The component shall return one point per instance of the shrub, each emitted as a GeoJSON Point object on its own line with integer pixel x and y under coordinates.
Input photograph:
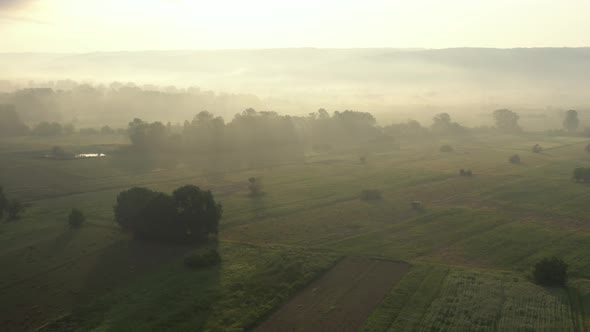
{"type": "Point", "coordinates": [537, 148]}
{"type": "Point", "coordinates": [202, 259]}
{"type": "Point", "coordinates": [465, 172]}
{"type": "Point", "coordinates": [255, 186]}
{"type": "Point", "coordinates": [370, 194]}
{"type": "Point", "coordinates": [550, 272]}
{"type": "Point", "coordinates": [417, 205]}
{"type": "Point", "coordinates": [514, 159]}
{"type": "Point", "coordinates": [446, 148]}
{"type": "Point", "coordinates": [76, 218]}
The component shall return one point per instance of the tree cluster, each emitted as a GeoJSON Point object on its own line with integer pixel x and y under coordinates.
{"type": "Point", "coordinates": [507, 121]}
{"type": "Point", "coordinates": [251, 130]}
{"type": "Point", "coordinates": [189, 215]}
{"type": "Point", "coordinates": [443, 125]}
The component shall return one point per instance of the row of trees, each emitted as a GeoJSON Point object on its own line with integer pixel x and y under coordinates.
{"type": "Point", "coordinates": [252, 130]}
{"type": "Point", "coordinates": [189, 215]}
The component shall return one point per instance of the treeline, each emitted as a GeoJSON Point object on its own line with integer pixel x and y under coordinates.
{"type": "Point", "coordinates": [251, 130]}
{"type": "Point", "coordinates": [67, 101]}
{"type": "Point", "coordinates": [12, 125]}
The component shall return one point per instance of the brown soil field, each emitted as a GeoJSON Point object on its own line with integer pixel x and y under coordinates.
{"type": "Point", "coordinates": [341, 299]}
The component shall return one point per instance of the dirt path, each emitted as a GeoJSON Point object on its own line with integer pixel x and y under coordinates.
{"type": "Point", "coordinates": [340, 300]}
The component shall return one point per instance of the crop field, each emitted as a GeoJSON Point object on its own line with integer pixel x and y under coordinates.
{"type": "Point", "coordinates": [469, 250]}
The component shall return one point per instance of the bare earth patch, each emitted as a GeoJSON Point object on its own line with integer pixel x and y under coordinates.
{"type": "Point", "coordinates": [341, 299]}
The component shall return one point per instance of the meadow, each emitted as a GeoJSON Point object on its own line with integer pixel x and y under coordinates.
{"type": "Point", "coordinates": [470, 249]}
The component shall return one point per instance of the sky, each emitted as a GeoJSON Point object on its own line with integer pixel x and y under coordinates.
{"type": "Point", "coordinates": [134, 25]}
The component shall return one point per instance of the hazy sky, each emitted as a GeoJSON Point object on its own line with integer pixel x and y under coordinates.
{"type": "Point", "coordinates": [112, 25]}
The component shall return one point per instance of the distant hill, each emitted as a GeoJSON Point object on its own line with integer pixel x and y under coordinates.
{"type": "Point", "coordinates": [373, 78]}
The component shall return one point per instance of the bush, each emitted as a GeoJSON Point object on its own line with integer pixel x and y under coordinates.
{"type": "Point", "coordinates": [202, 259]}
{"type": "Point", "coordinates": [537, 148]}
{"type": "Point", "coordinates": [465, 172]}
{"type": "Point", "coordinates": [76, 218]}
{"type": "Point", "coordinates": [370, 194]}
{"type": "Point", "coordinates": [255, 186]}
{"type": "Point", "coordinates": [446, 148]}
{"type": "Point", "coordinates": [514, 159]}
{"type": "Point", "coordinates": [550, 272]}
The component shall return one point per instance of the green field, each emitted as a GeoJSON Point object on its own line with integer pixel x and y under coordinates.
{"type": "Point", "coordinates": [472, 247]}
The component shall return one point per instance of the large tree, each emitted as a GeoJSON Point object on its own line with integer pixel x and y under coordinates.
{"type": "Point", "coordinates": [507, 121]}
{"type": "Point", "coordinates": [197, 211]}
{"type": "Point", "coordinates": [571, 121]}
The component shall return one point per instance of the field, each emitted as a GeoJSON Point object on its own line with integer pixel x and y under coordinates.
{"type": "Point", "coordinates": [470, 250]}
{"type": "Point", "coordinates": [340, 300]}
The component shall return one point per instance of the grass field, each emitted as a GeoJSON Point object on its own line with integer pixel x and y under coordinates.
{"type": "Point", "coordinates": [471, 249]}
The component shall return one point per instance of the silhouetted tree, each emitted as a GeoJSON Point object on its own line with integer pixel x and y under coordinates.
{"type": "Point", "coordinates": [129, 205]}
{"type": "Point", "coordinates": [76, 218]}
{"type": "Point", "coordinates": [197, 211]}
{"type": "Point", "coordinates": [507, 121]}
{"type": "Point", "coordinates": [550, 272]}
{"type": "Point", "coordinates": [571, 120]}
{"type": "Point", "coordinates": [146, 136]}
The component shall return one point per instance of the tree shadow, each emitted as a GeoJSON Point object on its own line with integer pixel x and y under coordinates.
{"type": "Point", "coordinates": [128, 279]}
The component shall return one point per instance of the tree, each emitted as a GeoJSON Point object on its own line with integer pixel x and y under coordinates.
{"type": "Point", "coordinates": [76, 218]}
{"type": "Point", "coordinates": [550, 272]}
{"type": "Point", "coordinates": [3, 202]}
{"type": "Point", "coordinates": [255, 186]}
{"type": "Point", "coordinates": [507, 121]}
{"type": "Point", "coordinates": [571, 120]}
{"type": "Point", "coordinates": [537, 148]}
{"type": "Point", "coordinates": [129, 205]}
{"type": "Point", "coordinates": [197, 211]}
{"type": "Point", "coordinates": [14, 209]}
